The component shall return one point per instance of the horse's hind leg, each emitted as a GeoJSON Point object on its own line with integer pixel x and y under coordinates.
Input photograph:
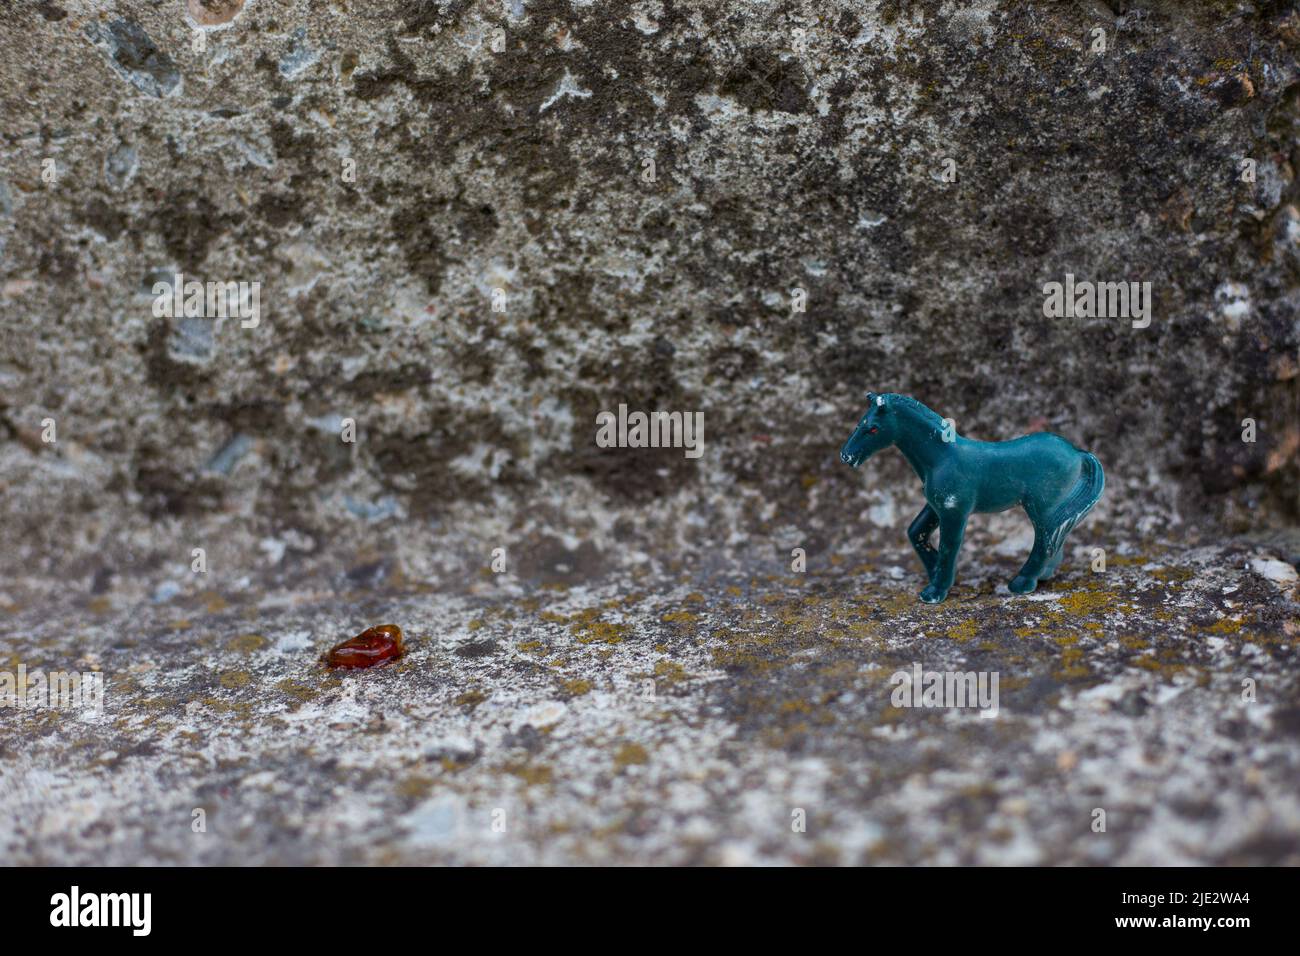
{"type": "Point", "coordinates": [1054, 562]}
{"type": "Point", "coordinates": [1034, 568]}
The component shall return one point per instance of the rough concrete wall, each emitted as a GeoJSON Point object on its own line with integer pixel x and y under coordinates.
{"type": "Point", "coordinates": [506, 146]}
{"type": "Point", "coordinates": [383, 170]}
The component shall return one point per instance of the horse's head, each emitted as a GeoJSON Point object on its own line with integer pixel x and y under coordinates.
{"type": "Point", "coordinates": [876, 430]}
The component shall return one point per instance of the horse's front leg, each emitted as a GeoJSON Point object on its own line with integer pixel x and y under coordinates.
{"type": "Point", "coordinates": [919, 534]}
{"type": "Point", "coordinates": [952, 528]}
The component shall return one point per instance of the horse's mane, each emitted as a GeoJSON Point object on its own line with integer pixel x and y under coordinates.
{"type": "Point", "coordinates": [907, 401]}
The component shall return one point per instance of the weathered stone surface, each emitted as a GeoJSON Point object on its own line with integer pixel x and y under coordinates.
{"type": "Point", "coordinates": [664, 719]}
{"type": "Point", "coordinates": [384, 169]}
{"type": "Point", "coordinates": [507, 147]}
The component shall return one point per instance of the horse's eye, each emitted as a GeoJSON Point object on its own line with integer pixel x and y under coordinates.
{"type": "Point", "coordinates": [872, 430]}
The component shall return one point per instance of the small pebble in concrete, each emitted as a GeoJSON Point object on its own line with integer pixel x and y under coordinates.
{"type": "Point", "coordinates": [135, 57]}
{"type": "Point", "coordinates": [214, 13]}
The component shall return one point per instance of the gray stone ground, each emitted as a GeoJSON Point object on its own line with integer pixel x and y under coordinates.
{"type": "Point", "coordinates": [661, 717]}
{"type": "Point", "coordinates": [382, 168]}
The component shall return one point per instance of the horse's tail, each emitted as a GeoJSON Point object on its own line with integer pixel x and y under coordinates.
{"type": "Point", "coordinates": [1087, 492]}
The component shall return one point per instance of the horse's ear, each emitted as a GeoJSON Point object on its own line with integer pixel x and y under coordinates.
{"type": "Point", "coordinates": [871, 398]}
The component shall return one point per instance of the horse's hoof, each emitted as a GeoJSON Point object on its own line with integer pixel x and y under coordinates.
{"type": "Point", "coordinates": [932, 595]}
{"type": "Point", "coordinates": [1022, 585]}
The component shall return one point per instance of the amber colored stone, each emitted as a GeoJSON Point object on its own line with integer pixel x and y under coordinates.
{"type": "Point", "coordinates": [375, 645]}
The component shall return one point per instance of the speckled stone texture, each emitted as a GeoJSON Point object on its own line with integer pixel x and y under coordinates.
{"type": "Point", "coordinates": [476, 225]}
{"type": "Point", "coordinates": [680, 719]}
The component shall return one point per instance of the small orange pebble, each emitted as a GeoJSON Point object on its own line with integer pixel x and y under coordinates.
{"type": "Point", "coordinates": [374, 645]}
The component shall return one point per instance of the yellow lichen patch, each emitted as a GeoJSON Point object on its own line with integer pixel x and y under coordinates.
{"type": "Point", "coordinates": [532, 774]}
{"type": "Point", "coordinates": [863, 630]}
{"type": "Point", "coordinates": [470, 698]}
{"type": "Point", "coordinates": [964, 631]}
{"type": "Point", "coordinates": [680, 617]}
{"type": "Point", "coordinates": [801, 615]}
{"type": "Point", "coordinates": [896, 602]}
{"type": "Point", "coordinates": [1072, 664]}
{"type": "Point", "coordinates": [1226, 625]}
{"type": "Point", "coordinates": [296, 690]}
{"type": "Point", "coordinates": [415, 787]}
{"type": "Point", "coordinates": [630, 755]}
{"type": "Point", "coordinates": [589, 629]}
{"type": "Point", "coordinates": [248, 643]}
{"type": "Point", "coordinates": [551, 617]}
{"type": "Point", "coordinates": [120, 683]}
{"type": "Point", "coordinates": [738, 657]}
{"type": "Point", "coordinates": [1173, 575]}
{"type": "Point", "coordinates": [670, 672]}
{"type": "Point", "coordinates": [1082, 603]}
{"type": "Point", "coordinates": [531, 647]}
{"type": "Point", "coordinates": [577, 687]}
{"type": "Point", "coordinates": [1126, 560]}
{"type": "Point", "coordinates": [232, 680]}
{"type": "Point", "coordinates": [476, 624]}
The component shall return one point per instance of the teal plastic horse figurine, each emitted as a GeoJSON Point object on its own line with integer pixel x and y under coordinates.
{"type": "Point", "coordinates": [1056, 484]}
